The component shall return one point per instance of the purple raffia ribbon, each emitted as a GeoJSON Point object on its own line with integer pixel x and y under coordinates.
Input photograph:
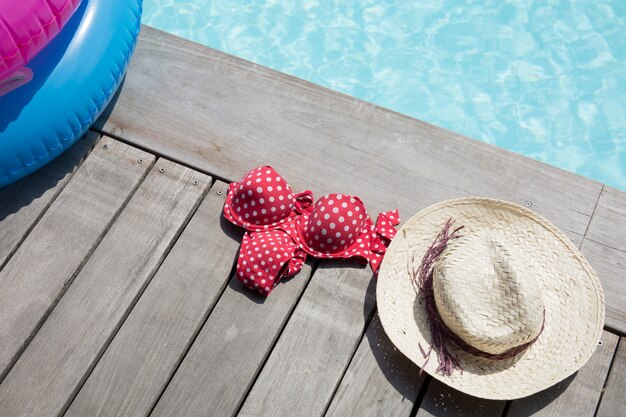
{"type": "Point", "coordinates": [440, 332]}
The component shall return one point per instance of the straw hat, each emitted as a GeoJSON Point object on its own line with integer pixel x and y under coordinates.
{"type": "Point", "coordinates": [519, 307]}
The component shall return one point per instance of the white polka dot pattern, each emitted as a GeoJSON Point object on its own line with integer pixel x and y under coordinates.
{"type": "Point", "coordinates": [282, 228]}
{"type": "Point", "coordinates": [267, 257]}
{"type": "Point", "coordinates": [263, 200]}
{"type": "Point", "coordinates": [330, 219]}
{"type": "Point", "coordinates": [340, 228]}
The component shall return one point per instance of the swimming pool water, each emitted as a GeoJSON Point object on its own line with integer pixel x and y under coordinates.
{"type": "Point", "coordinates": [546, 79]}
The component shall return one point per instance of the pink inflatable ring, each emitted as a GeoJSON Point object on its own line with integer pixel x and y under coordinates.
{"type": "Point", "coordinates": [26, 26]}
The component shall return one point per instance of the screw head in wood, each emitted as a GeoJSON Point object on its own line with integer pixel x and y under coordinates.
{"type": "Point", "coordinates": [140, 161]}
{"type": "Point", "coordinates": [600, 343]}
{"type": "Point", "coordinates": [528, 204]}
{"type": "Point", "coordinates": [195, 182]}
{"type": "Point", "coordinates": [220, 192]}
{"type": "Point", "coordinates": [105, 146]}
{"type": "Point", "coordinates": [161, 170]}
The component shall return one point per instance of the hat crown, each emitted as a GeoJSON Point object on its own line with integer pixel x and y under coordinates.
{"type": "Point", "coordinates": [485, 295]}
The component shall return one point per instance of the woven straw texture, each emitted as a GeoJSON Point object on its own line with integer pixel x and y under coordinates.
{"type": "Point", "coordinates": [568, 288]}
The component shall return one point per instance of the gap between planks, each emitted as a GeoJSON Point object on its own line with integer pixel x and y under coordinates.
{"type": "Point", "coordinates": [104, 292]}
{"type": "Point", "coordinates": [80, 216]}
{"type": "Point", "coordinates": [23, 203]}
{"type": "Point", "coordinates": [156, 336]}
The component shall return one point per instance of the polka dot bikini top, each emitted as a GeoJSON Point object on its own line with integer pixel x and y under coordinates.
{"type": "Point", "coordinates": [337, 226]}
{"type": "Point", "coordinates": [263, 200]}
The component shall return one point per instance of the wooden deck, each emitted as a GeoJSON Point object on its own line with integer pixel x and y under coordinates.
{"type": "Point", "coordinates": [117, 295]}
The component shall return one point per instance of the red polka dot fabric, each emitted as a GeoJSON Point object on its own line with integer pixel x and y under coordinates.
{"type": "Point", "coordinates": [267, 257]}
{"type": "Point", "coordinates": [340, 228]}
{"type": "Point", "coordinates": [283, 228]}
{"type": "Point", "coordinates": [263, 200]}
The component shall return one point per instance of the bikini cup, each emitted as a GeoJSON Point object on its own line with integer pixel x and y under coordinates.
{"type": "Point", "coordinates": [339, 228]}
{"type": "Point", "coordinates": [263, 200]}
{"type": "Point", "coordinates": [335, 224]}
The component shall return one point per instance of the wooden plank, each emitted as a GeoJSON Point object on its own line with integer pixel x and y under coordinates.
{"type": "Point", "coordinates": [612, 403]}
{"type": "Point", "coordinates": [576, 396]}
{"type": "Point", "coordinates": [605, 248]}
{"type": "Point", "coordinates": [610, 265]}
{"type": "Point", "coordinates": [443, 401]}
{"type": "Point", "coordinates": [576, 239]}
{"type": "Point", "coordinates": [233, 115]}
{"type": "Point", "coordinates": [22, 203]}
{"type": "Point", "coordinates": [146, 351]}
{"type": "Point", "coordinates": [70, 342]}
{"type": "Point", "coordinates": [41, 269]}
{"type": "Point", "coordinates": [380, 380]}
{"type": "Point", "coordinates": [312, 354]}
{"type": "Point", "coordinates": [218, 370]}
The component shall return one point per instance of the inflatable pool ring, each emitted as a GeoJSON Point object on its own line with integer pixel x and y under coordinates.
{"type": "Point", "coordinates": [71, 81]}
{"type": "Point", "coordinates": [24, 30]}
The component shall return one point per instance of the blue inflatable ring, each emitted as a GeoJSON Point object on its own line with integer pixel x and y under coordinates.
{"type": "Point", "coordinates": [74, 78]}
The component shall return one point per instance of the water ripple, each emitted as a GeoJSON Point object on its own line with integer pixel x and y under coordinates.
{"type": "Point", "coordinates": [545, 79]}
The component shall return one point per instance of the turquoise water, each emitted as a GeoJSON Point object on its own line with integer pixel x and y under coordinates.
{"type": "Point", "coordinates": [546, 79]}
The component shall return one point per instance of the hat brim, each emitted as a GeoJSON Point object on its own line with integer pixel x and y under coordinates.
{"type": "Point", "coordinates": [573, 299]}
